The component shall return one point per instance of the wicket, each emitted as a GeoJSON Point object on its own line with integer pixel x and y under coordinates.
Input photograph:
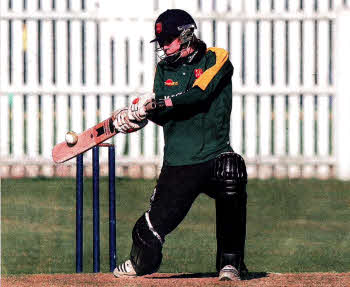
{"type": "Point", "coordinates": [96, 209]}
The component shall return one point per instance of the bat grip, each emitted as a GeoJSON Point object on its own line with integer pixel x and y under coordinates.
{"type": "Point", "coordinates": [152, 105]}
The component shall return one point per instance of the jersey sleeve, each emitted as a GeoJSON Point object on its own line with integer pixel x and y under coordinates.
{"type": "Point", "coordinates": [159, 117]}
{"type": "Point", "coordinates": [157, 84]}
{"type": "Point", "coordinates": [203, 88]}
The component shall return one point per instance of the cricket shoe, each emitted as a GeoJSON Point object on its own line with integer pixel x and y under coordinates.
{"type": "Point", "coordinates": [125, 270]}
{"type": "Point", "coordinates": [229, 273]}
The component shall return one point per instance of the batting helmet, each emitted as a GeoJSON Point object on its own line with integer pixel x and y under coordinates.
{"type": "Point", "coordinates": [171, 23]}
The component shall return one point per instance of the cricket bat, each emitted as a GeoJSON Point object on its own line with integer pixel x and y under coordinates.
{"type": "Point", "coordinates": [89, 138]}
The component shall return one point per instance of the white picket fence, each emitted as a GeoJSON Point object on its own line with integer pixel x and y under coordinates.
{"type": "Point", "coordinates": [66, 65]}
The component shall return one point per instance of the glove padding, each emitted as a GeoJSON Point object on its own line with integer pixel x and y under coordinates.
{"type": "Point", "coordinates": [123, 123]}
{"type": "Point", "coordinates": [137, 111]}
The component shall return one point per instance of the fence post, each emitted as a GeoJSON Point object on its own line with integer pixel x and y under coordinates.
{"type": "Point", "coordinates": [342, 99]}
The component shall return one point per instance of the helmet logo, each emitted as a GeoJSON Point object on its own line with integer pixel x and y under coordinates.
{"type": "Point", "coordinates": [198, 73]}
{"type": "Point", "coordinates": [159, 28]}
{"type": "Point", "coordinates": [170, 82]}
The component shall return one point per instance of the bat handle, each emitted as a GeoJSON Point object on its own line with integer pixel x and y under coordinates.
{"type": "Point", "coordinates": [152, 105]}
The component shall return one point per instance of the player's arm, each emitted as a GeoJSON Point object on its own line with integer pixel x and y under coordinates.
{"type": "Point", "coordinates": [136, 111]}
{"type": "Point", "coordinates": [202, 90]}
{"type": "Point", "coordinates": [204, 87]}
{"type": "Point", "coordinates": [159, 116]}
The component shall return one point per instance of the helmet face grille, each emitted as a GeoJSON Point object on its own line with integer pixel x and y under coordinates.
{"type": "Point", "coordinates": [187, 26]}
{"type": "Point", "coordinates": [187, 35]}
{"type": "Point", "coordinates": [186, 39]}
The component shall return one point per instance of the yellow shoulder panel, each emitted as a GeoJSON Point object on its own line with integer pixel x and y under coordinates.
{"type": "Point", "coordinates": [221, 57]}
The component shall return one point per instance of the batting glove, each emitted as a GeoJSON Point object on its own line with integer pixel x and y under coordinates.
{"type": "Point", "coordinates": [123, 123]}
{"type": "Point", "coordinates": [137, 111]}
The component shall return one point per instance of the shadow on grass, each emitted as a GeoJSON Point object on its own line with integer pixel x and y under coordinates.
{"type": "Point", "coordinates": [249, 276]}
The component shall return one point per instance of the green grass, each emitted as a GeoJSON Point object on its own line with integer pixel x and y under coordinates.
{"type": "Point", "coordinates": [293, 226]}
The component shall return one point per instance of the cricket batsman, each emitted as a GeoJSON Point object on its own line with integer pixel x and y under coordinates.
{"type": "Point", "coordinates": [193, 85]}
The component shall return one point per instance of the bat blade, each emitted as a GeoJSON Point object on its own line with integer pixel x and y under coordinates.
{"type": "Point", "coordinates": [86, 140]}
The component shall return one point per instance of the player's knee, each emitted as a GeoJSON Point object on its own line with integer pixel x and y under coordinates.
{"type": "Point", "coordinates": [146, 251]}
{"type": "Point", "coordinates": [230, 174]}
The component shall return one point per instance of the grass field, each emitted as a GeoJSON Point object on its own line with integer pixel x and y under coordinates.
{"type": "Point", "coordinates": [293, 226]}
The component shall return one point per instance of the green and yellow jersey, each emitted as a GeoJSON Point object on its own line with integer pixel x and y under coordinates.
{"type": "Point", "coordinates": [196, 128]}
